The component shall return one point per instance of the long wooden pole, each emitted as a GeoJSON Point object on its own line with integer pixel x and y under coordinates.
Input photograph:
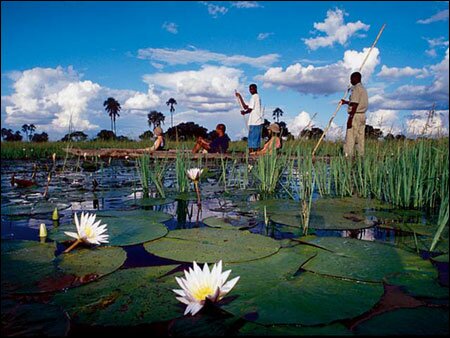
{"type": "Point", "coordinates": [346, 93]}
{"type": "Point", "coordinates": [242, 108]}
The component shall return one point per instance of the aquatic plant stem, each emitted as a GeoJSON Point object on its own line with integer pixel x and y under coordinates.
{"type": "Point", "coordinates": [70, 248]}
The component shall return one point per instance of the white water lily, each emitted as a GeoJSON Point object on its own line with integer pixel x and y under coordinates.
{"type": "Point", "coordinates": [194, 173]}
{"type": "Point", "coordinates": [88, 231]}
{"type": "Point", "coordinates": [200, 285]}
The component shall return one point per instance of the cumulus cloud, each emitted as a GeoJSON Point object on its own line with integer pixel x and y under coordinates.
{"type": "Point", "coordinates": [418, 97]}
{"type": "Point", "coordinates": [392, 73]}
{"type": "Point", "coordinates": [142, 101]}
{"type": "Point", "coordinates": [439, 16]}
{"type": "Point", "coordinates": [422, 123]}
{"type": "Point", "coordinates": [335, 30]}
{"type": "Point", "coordinates": [263, 36]}
{"type": "Point", "coordinates": [326, 79]}
{"type": "Point", "coordinates": [299, 123]}
{"type": "Point", "coordinates": [171, 27]}
{"type": "Point", "coordinates": [187, 56]}
{"type": "Point", "coordinates": [246, 4]}
{"type": "Point", "coordinates": [386, 120]}
{"type": "Point", "coordinates": [210, 89]}
{"type": "Point", "coordinates": [214, 10]}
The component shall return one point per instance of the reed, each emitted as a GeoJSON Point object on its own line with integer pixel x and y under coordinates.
{"type": "Point", "coordinates": [268, 170]}
{"type": "Point", "coordinates": [143, 169]}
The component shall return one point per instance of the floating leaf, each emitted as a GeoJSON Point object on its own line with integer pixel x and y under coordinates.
{"type": "Point", "coordinates": [440, 258]}
{"type": "Point", "coordinates": [129, 228]}
{"type": "Point", "coordinates": [149, 202]}
{"type": "Point", "coordinates": [124, 298]}
{"type": "Point", "coordinates": [252, 329]}
{"type": "Point", "coordinates": [31, 266]}
{"type": "Point", "coordinates": [207, 245]}
{"type": "Point", "coordinates": [221, 223]}
{"type": "Point", "coordinates": [275, 293]}
{"type": "Point", "coordinates": [405, 322]}
{"type": "Point", "coordinates": [34, 319]}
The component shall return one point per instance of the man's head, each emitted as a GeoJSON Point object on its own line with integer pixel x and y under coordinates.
{"type": "Point", "coordinates": [220, 129]}
{"type": "Point", "coordinates": [355, 78]}
{"type": "Point", "coordinates": [253, 89]}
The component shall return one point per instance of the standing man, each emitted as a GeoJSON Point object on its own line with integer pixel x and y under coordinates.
{"type": "Point", "coordinates": [256, 118]}
{"type": "Point", "coordinates": [356, 123]}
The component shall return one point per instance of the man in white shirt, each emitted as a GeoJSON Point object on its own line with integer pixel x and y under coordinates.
{"type": "Point", "coordinates": [356, 123]}
{"type": "Point", "coordinates": [256, 118]}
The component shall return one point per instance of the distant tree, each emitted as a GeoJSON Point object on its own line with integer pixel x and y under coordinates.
{"type": "Point", "coordinates": [106, 135]}
{"type": "Point", "coordinates": [112, 106]}
{"type": "Point", "coordinates": [76, 136]}
{"type": "Point", "coordinates": [25, 129]}
{"type": "Point", "coordinates": [372, 133]}
{"type": "Point", "coordinates": [171, 102]}
{"type": "Point", "coordinates": [389, 137]}
{"type": "Point", "coordinates": [123, 138]}
{"type": "Point", "coordinates": [187, 130]}
{"type": "Point", "coordinates": [9, 136]}
{"type": "Point", "coordinates": [277, 113]}
{"type": "Point", "coordinates": [400, 137]}
{"type": "Point", "coordinates": [284, 129]}
{"type": "Point", "coordinates": [6, 133]}
{"type": "Point", "coordinates": [43, 137]}
{"type": "Point", "coordinates": [245, 139]}
{"type": "Point", "coordinates": [311, 134]}
{"type": "Point", "coordinates": [146, 135]}
{"type": "Point", "coordinates": [31, 129]}
{"type": "Point", "coordinates": [265, 131]}
{"type": "Point", "coordinates": [155, 118]}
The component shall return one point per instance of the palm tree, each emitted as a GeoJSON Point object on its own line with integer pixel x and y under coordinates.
{"type": "Point", "coordinates": [277, 113]}
{"type": "Point", "coordinates": [155, 118]}
{"type": "Point", "coordinates": [112, 107]}
{"type": "Point", "coordinates": [171, 102]}
{"type": "Point", "coordinates": [25, 129]}
{"type": "Point", "coordinates": [31, 128]}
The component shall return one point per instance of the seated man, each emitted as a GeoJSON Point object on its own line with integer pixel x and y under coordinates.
{"type": "Point", "coordinates": [218, 145]}
{"type": "Point", "coordinates": [274, 141]}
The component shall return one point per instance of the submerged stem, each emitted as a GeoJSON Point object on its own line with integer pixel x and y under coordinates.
{"type": "Point", "coordinates": [70, 248]}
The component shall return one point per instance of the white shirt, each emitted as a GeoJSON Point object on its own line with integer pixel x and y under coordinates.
{"type": "Point", "coordinates": [359, 96]}
{"type": "Point", "coordinates": [256, 116]}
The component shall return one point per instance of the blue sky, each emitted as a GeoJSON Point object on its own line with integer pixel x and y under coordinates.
{"type": "Point", "coordinates": [61, 60]}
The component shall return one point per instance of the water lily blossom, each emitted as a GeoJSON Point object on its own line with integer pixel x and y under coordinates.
{"type": "Point", "coordinates": [88, 231]}
{"type": "Point", "coordinates": [199, 285]}
{"type": "Point", "coordinates": [194, 174]}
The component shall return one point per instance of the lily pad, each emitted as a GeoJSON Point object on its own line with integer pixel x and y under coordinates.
{"type": "Point", "coordinates": [405, 322]}
{"type": "Point", "coordinates": [418, 229]}
{"type": "Point", "coordinates": [221, 223]}
{"type": "Point", "coordinates": [418, 284]}
{"type": "Point", "coordinates": [34, 319]}
{"type": "Point", "coordinates": [31, 267]}
{"type": "Point", "coordinates": [211, 245]}
{"type": "Point", "coordinates": [133, 227]}
{"type": "Point", "coordinates": [363, 260]}
{"type": "Point", "coordinates": [125, 298]}
{"type": "Point", "coordinates": [440, 258]}
{"type": "Point", "coordinates": [252, 329]}
{"type": "Point", "coordinates": [32, 209]}
{"type": "Point", "coordinates": [149, 202]}
{"type": "Point", "coordinates": [150, 215]}
{"type": "Point", "coordinates": [275, 291]}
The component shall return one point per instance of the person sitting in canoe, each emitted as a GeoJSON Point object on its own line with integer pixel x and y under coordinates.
{"type": "Point", "coordinates": [159, 142]}
{"type": "Point", "coordinates": [274, 141]}
{"type": "Point", "coordinates": [218, 145]}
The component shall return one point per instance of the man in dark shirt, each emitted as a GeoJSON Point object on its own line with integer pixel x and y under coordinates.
{"type": "Point", "coordinates": [218, 145]}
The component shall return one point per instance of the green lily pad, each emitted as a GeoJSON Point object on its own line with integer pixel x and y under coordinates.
{"type": "Point", "coordinates": [418, 229]}
{"type": "Point", "coordinates": [272, 288]}
{"type": "Point", "coordinates": [440, 258]}
{"type": "Point", "coordinates": [363, 260]}
{"type": "Point", "coordinates": [31, 267]}
{"type": "Point", "coordinates": [221, 223]}
{"type": "Point", "coordinates": [418, 284]}
{"type": "Point", "coordinates": [125, 298]}
{"type": "Point", "coordinates": [129, 229]}
{"type": "Point", "coordinates": [19, 320]}
{"type": "Point", "coordinates": [32, 209]}
{"type": "Point", "coordinates": [252, 329]}
{"type": "Point", "coordinates": [211, 245]}
{"type": "Point", "coordinates": [405, 322]}
{"type": "Point", "coordinates": [207, 322]}
{"type": "Point", "coordinates": [150, 215]}
{"type": "Point", "coordinates": [423, 243]}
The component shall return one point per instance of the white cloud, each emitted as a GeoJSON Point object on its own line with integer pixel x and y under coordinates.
{"type": "Point", "coordinates": [392, 73]}
{"type": "Point", "coordinates": [186, 56]}
{"type": "Point", "coordinates": [302, 120]}
{"type": "Point", "coordinates": [326, 79]}
{"type": "Point", "coordinates": [420, 123]}
{"type": "Point", "coordinates": [214, 10]}
{"type": "Point", "coordinates": [263, 36]}
{"type": "Point", "coordinates": [418, 97]}
{"type": "Point", "coordinates": [435, 43]}
{"type": "Point", "coordinates": [171, 27]}
{"type": "Point", "coordinates": [386, 120]}
{"type": "Point", "coordinates": [246, 4]}
{"type": "Point", "coordinates": [143, 101]}
{"type": "Point", "coordinates": [439, 16]}
{"type": "Point", "coordinates": [335, 30]}
{"type": "Point", "coordinates": [210, 89]}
